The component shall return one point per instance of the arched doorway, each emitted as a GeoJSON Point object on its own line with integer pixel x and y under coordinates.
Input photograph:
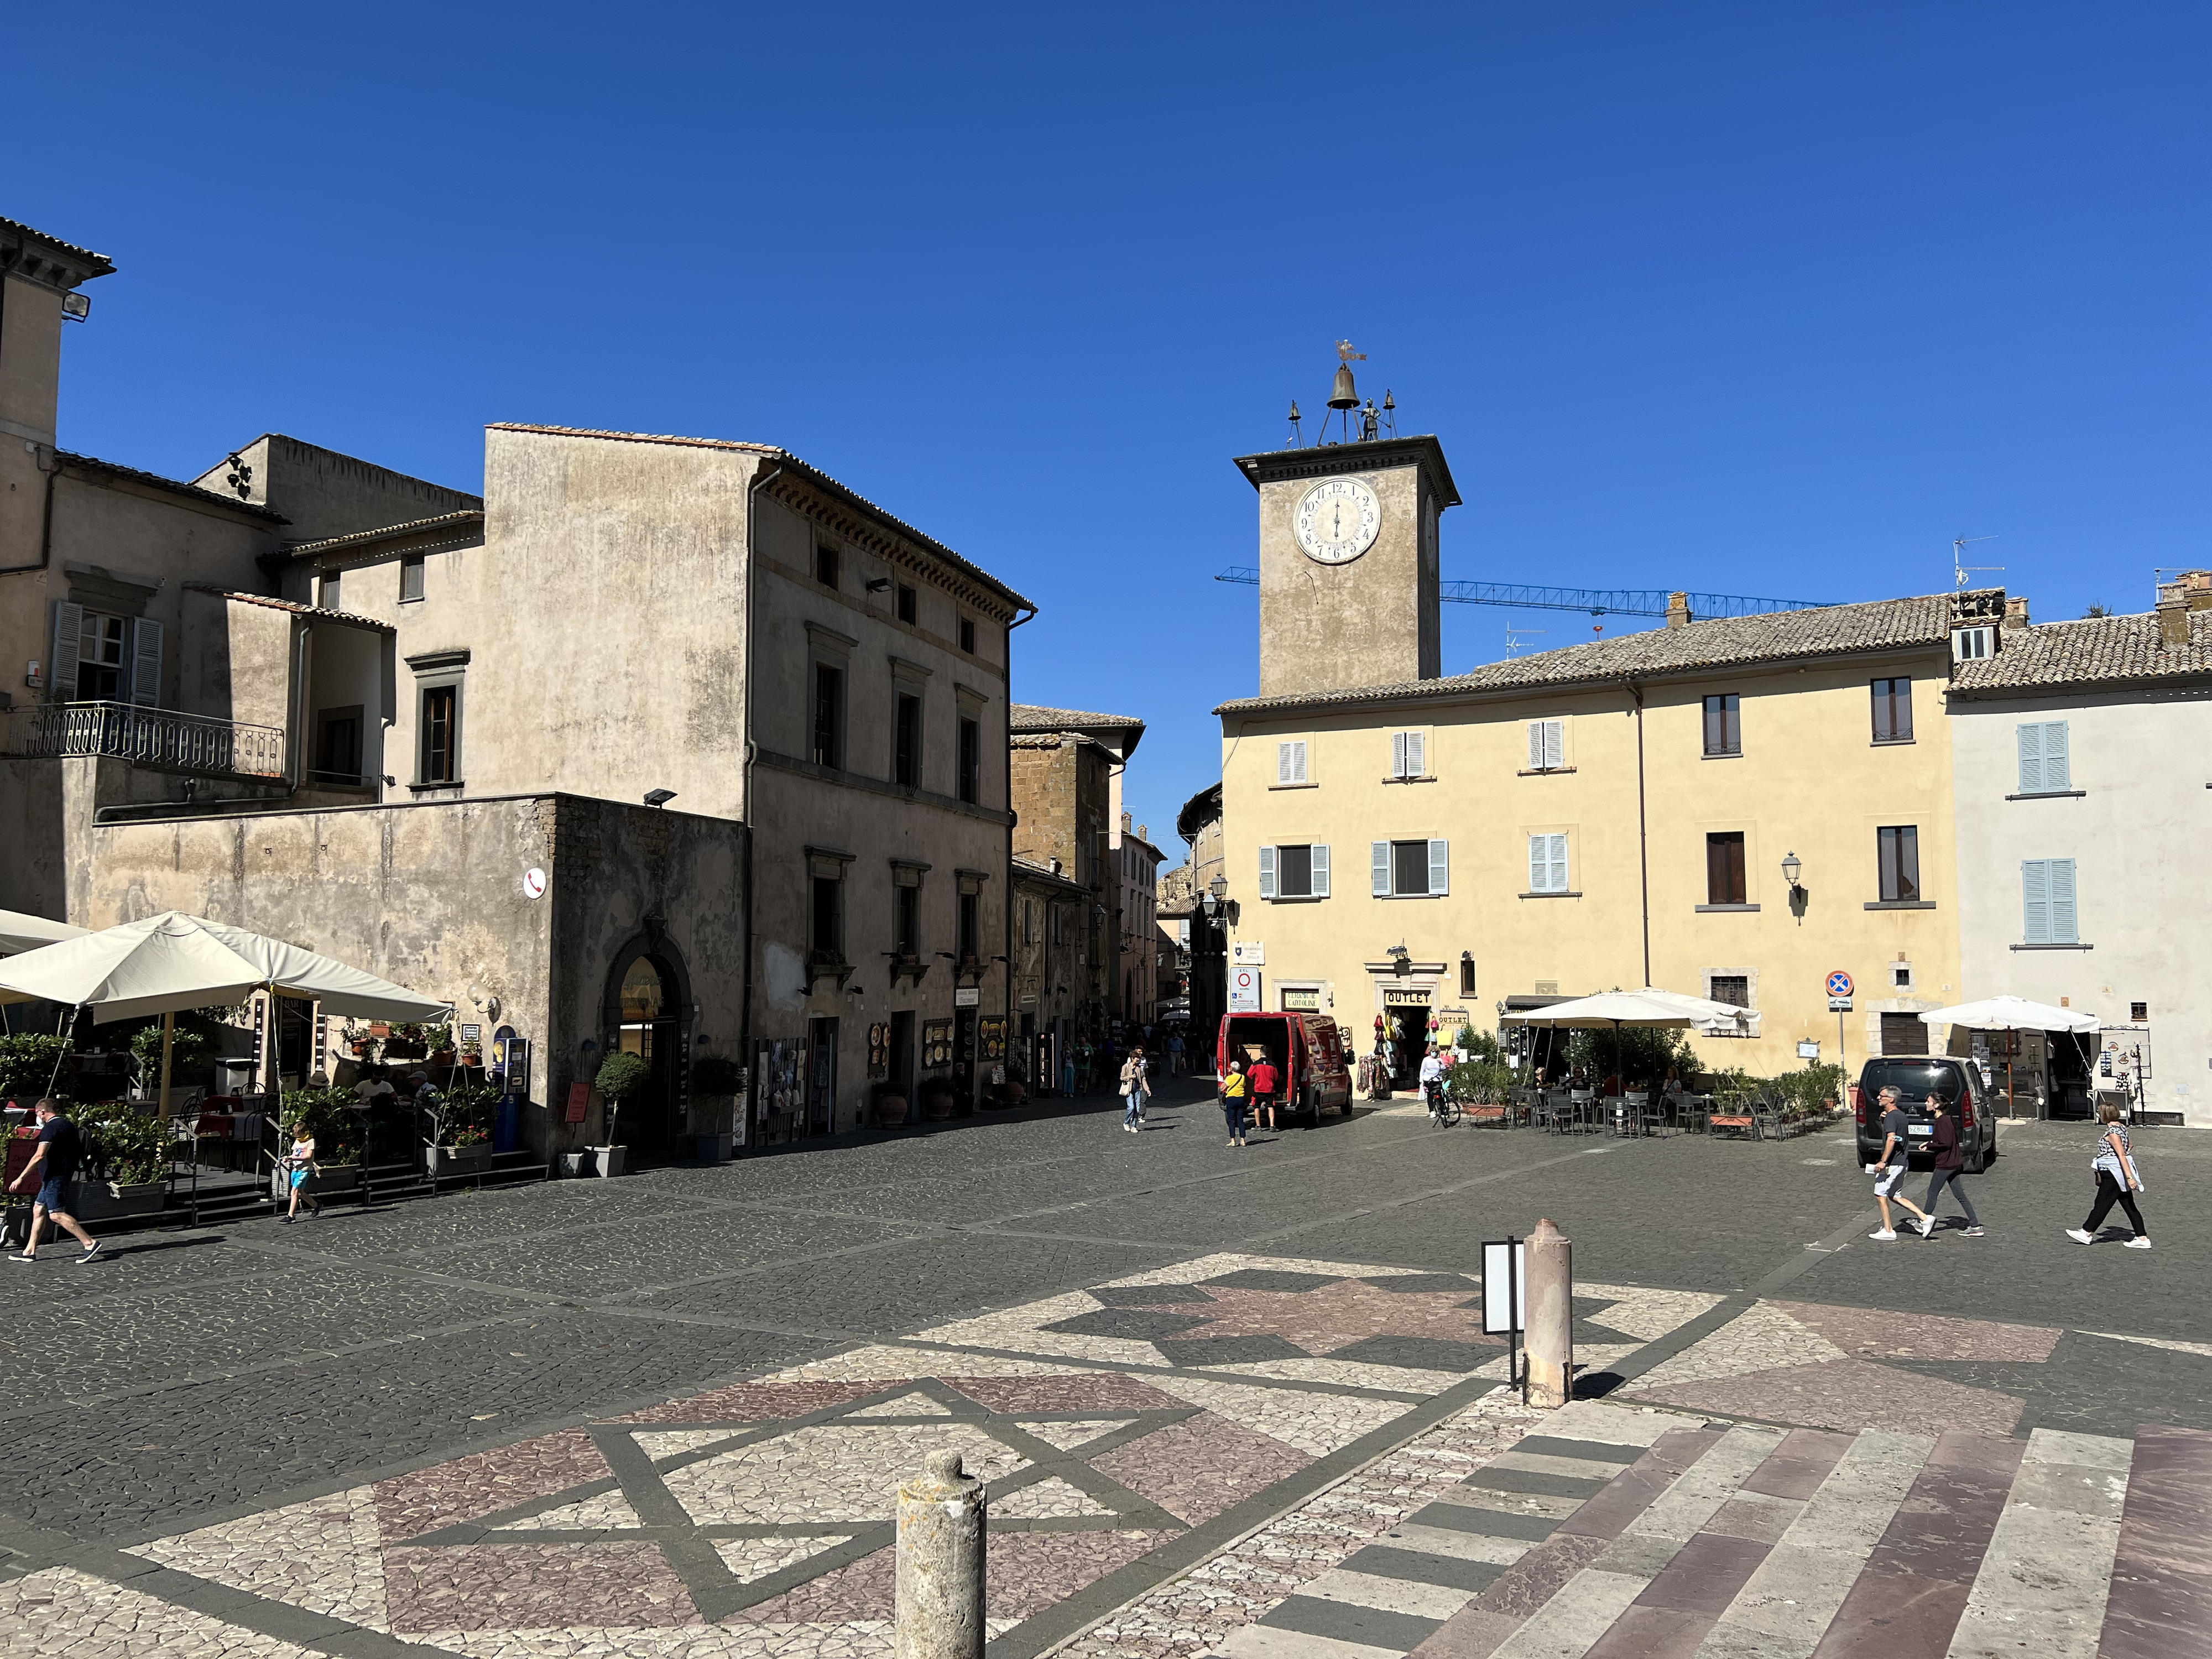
{"type": "Point", "coordinates": [647, 1002]}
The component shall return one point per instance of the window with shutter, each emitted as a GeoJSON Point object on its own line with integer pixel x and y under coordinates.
{"type": "Point", "coordinates": [1320, 869]}
{"type": "Point", "coordinates": [1294, 873]}
{"type": "Point", "coordinates": [1439, 867]}
{"type": "Point", "coordinates": [69, 634]}
{"type": "Point", "coordinates": [1266, 872]}
{"type": "Point", "coordinates": [1382, 849]}
{"type": "Point", "coordinates": [1416, 754]}
{"type": "Point", "coordinates": [1291, 762]}
{"type": "Point", "coordinates": [1409, 868]}
{"type": "Point", "coordinates": [1547, 745]}
{"type": "Point", "coordinates": [146, 663]}
{"type": "Point", "coordinates": [2035, 901]}
{"type": "Point", "coordinates": [2065, 927]}
{"type": "Point", "coordinates": [2030, 734]}
{"type": "Point", "coordinates": [2057, 762]}
{"type": "Point", "coordinates": [1547, 864]}
{"type": "Point", "coordinates": [1397, 753]}
{"type": "Point", "coordinates": [2045, 766]}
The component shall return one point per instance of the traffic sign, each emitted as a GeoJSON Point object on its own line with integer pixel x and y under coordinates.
{"type": "Point", "coordinates": [1839, 984]}
{"type": "Point", "coordinates": [1839, 1004]}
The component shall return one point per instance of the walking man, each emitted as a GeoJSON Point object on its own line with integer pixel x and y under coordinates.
{"type": "Point", "coordinates": [1264, 1078]}
{"type": "Point", "coordinates": [61, 1149]}
{"type": "Point", "coordinates": [1134, 1074]}
{"type": "Point", "coordinates": [1889, 1172]}
{"type": "Point", "coordinates": [1950, 1165]}
{"type": "Point", "coordinates": [1175, 1054]}
{"type": "Point", "coordinates": [2119, 1180]}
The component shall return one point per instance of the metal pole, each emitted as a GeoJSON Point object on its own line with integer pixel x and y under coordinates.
{"type": "Point", "coordinates": [1513, 1371]}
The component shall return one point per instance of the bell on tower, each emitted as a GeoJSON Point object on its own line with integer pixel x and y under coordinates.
{"type": "Point", "coordinates": [1343, 396]}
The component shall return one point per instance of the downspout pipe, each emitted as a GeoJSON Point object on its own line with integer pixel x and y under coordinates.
{"type": "Point", "coordinates": [53, 470]}
{"type": "Point", "coordinates": [745, 1057]}
{"type": "Point", "coordinates": [1642, 830]}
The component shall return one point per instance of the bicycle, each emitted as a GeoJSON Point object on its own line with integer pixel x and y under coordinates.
{"type": "Point", "coordinates": [1443, 1110]}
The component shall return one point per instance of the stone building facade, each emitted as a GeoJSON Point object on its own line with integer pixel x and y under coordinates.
{"type": "Point", "coordinates": [1051, 924]}
{"type": "Point", "coordinates": [1061, 798]}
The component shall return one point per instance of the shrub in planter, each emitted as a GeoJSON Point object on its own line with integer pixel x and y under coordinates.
{"type": "Point", "coordinates": [937, 1099]}
{"type": "Point", "coordinates": [620, 1078]}
{"type": "Point", "coordinates": [328, 1115]}
{"type": "Point", "coordinates": [129, 1150]}
{"type": "Point", "coordinates": [27, 1065]}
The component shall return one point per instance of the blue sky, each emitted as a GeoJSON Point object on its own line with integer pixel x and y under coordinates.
{"type": "Point", "coordinates": [1756, 299]}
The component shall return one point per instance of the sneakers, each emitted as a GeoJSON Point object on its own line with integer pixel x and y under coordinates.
{"type": "Point", "coordinates": [2138, 1242]}
{"type": "Point", "coordinates": [1971, 1232]}
{"type": "Point", "coordinates": [2080, 1237]}
{"type": "Point", "coordinates": [1886, 1235]}
{"type": "Point", "coordinates": [1927, 1225]}
{"type": "Point", "coordinates": [21, 1256]}
{"type": "Point", "coordinates": [90, 1251]}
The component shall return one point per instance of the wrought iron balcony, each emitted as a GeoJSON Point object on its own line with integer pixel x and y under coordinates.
{"type": "Point", "coordinates": [151, 736]}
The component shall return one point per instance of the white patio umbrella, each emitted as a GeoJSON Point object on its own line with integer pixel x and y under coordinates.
{"type": "Point", "coordinates": [1649, 1007]}
{"type": "Point", "coordinates": [20, 933]}
{"type": "Point", "coordinates": [2011, 1013]}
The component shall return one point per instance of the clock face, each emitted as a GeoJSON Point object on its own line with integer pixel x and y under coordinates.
{"type": "Point", "coordinates": [1336, 520]}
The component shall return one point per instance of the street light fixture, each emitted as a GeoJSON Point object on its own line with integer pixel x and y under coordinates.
{"type": "Point", "coordinates": [1790, 868]}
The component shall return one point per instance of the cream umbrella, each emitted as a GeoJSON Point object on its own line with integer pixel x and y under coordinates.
{"type": "Point", "coordinates": [1649, 1008]}
{"type": "Point", "coordinates": [2011, 1013]}
{"type": "Point", "coordinates": [20, 933]}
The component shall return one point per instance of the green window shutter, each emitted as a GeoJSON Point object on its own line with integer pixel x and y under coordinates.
{"type": "Point", "coordinates": [2035, 897]}
{"type": "Point", "coordinates": [1321, 870]}
{"type": "Point", "coordinates": [1382, 869]}
{"type": "Point", "coordinates": [1440, 866]}
{"type": "Point", "coordinates": [2065, 927]}
{"type": "Point", "coordinates": [1266, 872]}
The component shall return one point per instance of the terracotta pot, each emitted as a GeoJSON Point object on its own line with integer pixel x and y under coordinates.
{"type": "Point", "coordinates": [937, 1106]}
{"type": "Point", "coordinates": [442, 1057]}
{"type": "Point", "coordinates": [378, 1028]}
{"type": "Point", "coordinates": [472, 1059]}
{"type": "Point", "coordinates": [890, 1111]}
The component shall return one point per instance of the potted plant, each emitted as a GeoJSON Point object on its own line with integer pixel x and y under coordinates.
{"type": "Point", "coordinates": [716, 1081]}
{"type": "Point", "coordinates": [460, 1128]}
{"type": "Point", "coordinates": [937, 1098]}
{"type": "Point", "coordinates": [472, 1054]}
{"type": "Point", "coordinates": [406, 1043]}
{"type": "Point", "coordinates": [890, 1105]}
{"type": "Point", "coordinates": [621, 1077]}
{"type": "Point", "coordinates": [128, 1158]}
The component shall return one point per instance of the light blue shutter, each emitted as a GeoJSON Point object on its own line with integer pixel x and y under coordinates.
{"type": "Point", "coordinates": [146, 663]}
{"type": "Point", "coordinates": [1398, 755]}
{"type": "Point", "coordinates": [1440, 866]}
{"type": "Point", "coordinates": [2058, 764]}
{"type": "Point", "coordinates": [1321, 870]}
{"type": "Point", "coordinates": [1266, 872]}
{"type": "Point", "coordinates": [2035, 896]}
{"type": "Point", "coordinates": [69, 640]}
{"type": "Point", "coordinates": [2065, 928]}
{"type": "Point", "coordinates": [2031, 757]}
{"type": "Point", "coordinates": [1382, 869]}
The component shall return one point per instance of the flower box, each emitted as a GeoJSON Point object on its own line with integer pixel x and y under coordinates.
{"type": "Point", "coordinates": [461, 1160]}
{"type": "Point", "coordinates": [108, 1201]}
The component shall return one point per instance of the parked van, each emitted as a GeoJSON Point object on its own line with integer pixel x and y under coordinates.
{"type": "Point", "coordinates": [1956, 1082]}
{"type": "Point", "coordinates": [1308, 1051]}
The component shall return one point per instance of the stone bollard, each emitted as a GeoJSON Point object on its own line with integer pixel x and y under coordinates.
{"type": "Point", "coordinates": [1550, 1317]}
{"type": "Point", "coordinates": [940, 1563]}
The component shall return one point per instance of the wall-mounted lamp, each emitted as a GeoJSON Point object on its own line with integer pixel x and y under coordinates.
{"type": "Point", "coordinates": [880, 585]}
{"type": "Point", "coordinates": [658, 797]}
{"type": "Point", "coordinates": [1791, 866]}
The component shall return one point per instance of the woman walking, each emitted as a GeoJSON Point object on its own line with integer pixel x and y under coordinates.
{"type": "Point", "coordinates": [2119, 1180]}
{"type": "Point", "coordinates": [1233, 1095]}
{"type": "Point", "coordinates": [1950, 1165]}
{"type": "Point", "coordinates": [1135, 1074]}
{"type": "Point", "coordinates": [299, 1164]}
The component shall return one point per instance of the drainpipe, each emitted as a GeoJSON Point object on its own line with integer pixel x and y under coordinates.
{"type": "Point", "coordinates": [1643, 833]}
{"type": "Point", "coordinates": [45, 527]}
{"type": "Point", "coordinates": [745, 1057]}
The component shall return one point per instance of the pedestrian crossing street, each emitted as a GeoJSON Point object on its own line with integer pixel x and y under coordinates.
{"type": "Point", "coordinates": [1628, 1534]}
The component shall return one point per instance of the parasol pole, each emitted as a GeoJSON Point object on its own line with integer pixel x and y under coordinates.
{"type": "Point", "coordinates": [168, 1037]}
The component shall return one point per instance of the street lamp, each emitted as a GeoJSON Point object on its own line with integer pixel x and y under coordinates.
{"type": "Point", "coordinates": [1216, 891]}
{"type": "Point", "coordinates": [1790, 868]}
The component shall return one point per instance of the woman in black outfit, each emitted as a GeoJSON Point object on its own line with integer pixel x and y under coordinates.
{"type": "Point", "coordinates": [1950, 1165]}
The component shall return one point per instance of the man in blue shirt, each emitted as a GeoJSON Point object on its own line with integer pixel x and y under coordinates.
{"type": "Point", "coordinates": [61, 1148]}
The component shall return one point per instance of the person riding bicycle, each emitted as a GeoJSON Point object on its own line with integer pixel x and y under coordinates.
{"type": "Point", "coordinates": [1432, 1080]}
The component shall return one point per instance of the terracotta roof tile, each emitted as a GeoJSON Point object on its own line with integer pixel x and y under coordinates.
{"type": "Point", "coordinates": [1034, 717]}
{"type": "Point", "coordinates": [1829, 630]}
{"type": "Point", "coordinates": [467, 516]}
{"type": "Point", "coordinates": [2094, 651]}
{"type": "Point", "coordinates": [94, 463]}
{"type": "Point", "coordinates": [352, 619]}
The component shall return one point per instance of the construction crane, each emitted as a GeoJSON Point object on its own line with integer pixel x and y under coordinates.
{"type": "Point", "coordinates": [1597, 602]}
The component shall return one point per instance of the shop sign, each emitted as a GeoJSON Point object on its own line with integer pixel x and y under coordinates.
{"type": "Point", "coordinates": [1301, 1001]}
{"type": "Point", "coordinates": [1397, 996]}
{"type": "Point", "coordinates": [1250, 952]}
{"type": "Point", "coordinates": [967, 996]}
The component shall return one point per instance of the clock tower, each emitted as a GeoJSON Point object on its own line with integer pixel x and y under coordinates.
{"type": "Point", "coordinates": [1348, 553]}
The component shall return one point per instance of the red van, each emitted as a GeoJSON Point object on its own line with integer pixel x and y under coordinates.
{"type": "Point", "coordinates": [1308, 1051]}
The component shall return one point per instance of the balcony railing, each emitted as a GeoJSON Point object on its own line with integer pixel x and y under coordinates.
{"type": "Point", "coordinates": [152, 737]}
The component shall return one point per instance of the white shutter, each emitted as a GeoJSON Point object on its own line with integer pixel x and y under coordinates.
{"type": "Point", "coordinates": [146, 663]}
{"type": "Point", "coordinates": [1439, 867]}
{"type": "Point", "coordinates": [1382, 869]}
{"type": "Point", "coordinates": [1547, 864]}
{"type": "Point", "coordinates": [2065, 927]}
{"type": "Point", "coordinates": [2031, 757]}
{"type": "Point", "coordinates": [1555, 745]}
{"type": "Point", "coordinates": [2057, 763]}
{"type": "Point", "coordinates": [1398, 755]}
{"type": "Point", "coordinates": [1266, 872]}
{"type": "Point", "coordinates": [1321, 869]}
{"type": "Point", "coordinates": [1416, 759]}
{"type": "Point", "coordinates": [1538, 863]}
{"type": "Point", "coordinates": [1282, 762]}
{"type": "Point", "coordinates": [1291, 762]}
{"type": "Point", "coordinates": [1560, 863]}
{"type": "Point", "coordinates": [2035, 897]}
{"type": "Point", "coordinates": [69, 640]}
{"type": "Point", "coordinates": [1535, 745]}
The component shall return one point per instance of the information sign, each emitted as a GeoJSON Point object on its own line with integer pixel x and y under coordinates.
{"type": "Point", "coordinates": [1243, 990]}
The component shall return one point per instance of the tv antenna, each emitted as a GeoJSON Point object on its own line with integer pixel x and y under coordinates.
{"type": "Point", "coordinates": [1959, 569]}
{"type": "Point", "coordinates": [1517, 639]}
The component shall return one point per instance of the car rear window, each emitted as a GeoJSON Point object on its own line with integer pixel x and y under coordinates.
{"type": "Point", "coordinates": [1913, 1079]}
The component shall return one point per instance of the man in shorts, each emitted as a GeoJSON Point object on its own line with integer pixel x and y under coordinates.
{"type": "Point", "coordinates": [1890, 1171]}
{"type": "Point", "coordinates": [1264, 1080]}
{"type": "Point", "coordinates": [61, 1148]}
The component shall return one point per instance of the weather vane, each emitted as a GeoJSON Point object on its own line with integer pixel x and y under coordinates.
{"type": "Point", "coordinates": [1344, 354]}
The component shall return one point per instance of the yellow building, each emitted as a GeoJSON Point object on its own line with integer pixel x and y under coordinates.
{"type": "Point", "coordinates": [1612, 814]}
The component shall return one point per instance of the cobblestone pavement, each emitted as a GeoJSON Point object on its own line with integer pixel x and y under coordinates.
{"type": "Point", "coordinates": [661, 1415]}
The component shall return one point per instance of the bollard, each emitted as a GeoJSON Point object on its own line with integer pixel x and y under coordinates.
{"type": "Point", "coordinates": [1550, 1317]}
{"type": "Point", "coordinates": [940, 1563]}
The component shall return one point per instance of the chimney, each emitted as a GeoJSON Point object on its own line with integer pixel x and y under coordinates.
{"type": "Point", "coordinates": [2196, 589]}
{"type": "Point", "coordinates": [2015, 612]}
{"type": "Point", "coordinates": [1678, 611]}
{"type": "Point", "coordinates": [2172, 615]}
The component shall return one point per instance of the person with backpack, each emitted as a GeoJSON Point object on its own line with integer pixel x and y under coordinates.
{"type": "Point", "coordinates": [2119, 1180]}
{"type": "Point", "coordinates": [1235, 1091]}
{"type": "Point", "coordinates": [1135, 1072]}
{"type": "Point", "coordinates": [1950, 1165]}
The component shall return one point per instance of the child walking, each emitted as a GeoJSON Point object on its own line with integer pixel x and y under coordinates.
{"type": "Point", "coordinates": [299, 1164]}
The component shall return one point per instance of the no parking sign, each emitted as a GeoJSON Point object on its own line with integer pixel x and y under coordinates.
{"type": "Point", "coordinates": [1243, 990]}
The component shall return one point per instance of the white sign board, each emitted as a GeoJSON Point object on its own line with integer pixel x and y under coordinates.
{"type": "Point", "coordinates": [1839, 1004]}
{"type": "Point", "coordinates": [1249, 953]}
{"type": "Point", "coordinates": [1808, 1051]}
{"type": "Point", "coordinates": [1503, 1295]}
{"type": "Point", "coordinates": [967, 996]}
{"type": "Point", "coordinates": [1243, 990]}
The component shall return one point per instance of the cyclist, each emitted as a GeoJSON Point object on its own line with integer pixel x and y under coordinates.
{"type": "Point", "coordinates": [1432, 1081]}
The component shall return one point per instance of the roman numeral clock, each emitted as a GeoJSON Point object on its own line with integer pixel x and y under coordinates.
{"type": "Point", "coordinates": [1349, 550]}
